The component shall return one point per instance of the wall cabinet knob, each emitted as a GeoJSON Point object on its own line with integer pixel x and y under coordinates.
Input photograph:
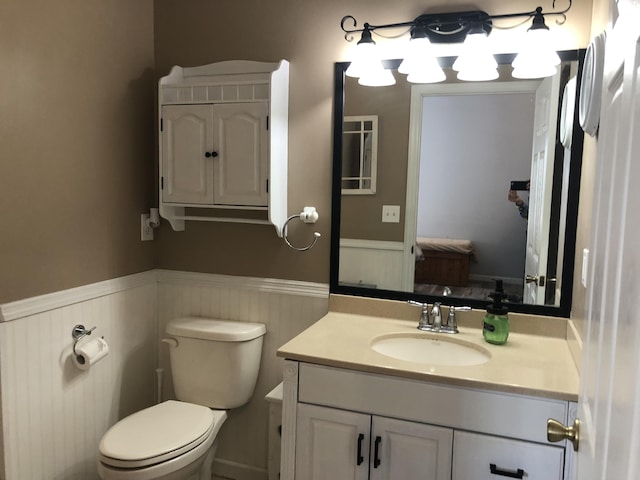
{"type": "Point", "coordinates": [211, 154]}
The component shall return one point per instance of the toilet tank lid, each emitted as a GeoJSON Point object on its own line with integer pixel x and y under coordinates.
{"type": "Point", "coordinates": [212, 329]}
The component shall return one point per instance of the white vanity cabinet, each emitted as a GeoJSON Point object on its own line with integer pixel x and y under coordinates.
{"type": "Point", "coordinates": [223, 143]}
{"type": "Point", "coordinates": [412, 429]}
{"type": "Point", "coordinates": [332, 443]}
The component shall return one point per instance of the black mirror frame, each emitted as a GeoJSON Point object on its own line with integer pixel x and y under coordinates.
{"type": "Point", "coordinates": [575, 173]}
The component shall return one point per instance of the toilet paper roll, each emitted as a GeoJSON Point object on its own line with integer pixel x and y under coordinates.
{"type": "Point", "coordinates": [89, 353]}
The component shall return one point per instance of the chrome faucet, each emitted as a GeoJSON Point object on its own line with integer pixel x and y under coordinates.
{"type": "Point", "coordinates": [431, 321]}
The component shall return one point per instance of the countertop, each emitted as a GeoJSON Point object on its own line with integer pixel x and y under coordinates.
{"type": "Point", "coordinates": [527, 364]}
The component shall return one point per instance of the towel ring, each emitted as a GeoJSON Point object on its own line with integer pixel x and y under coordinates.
{"type": "Point", "coordinates": [308, 215]}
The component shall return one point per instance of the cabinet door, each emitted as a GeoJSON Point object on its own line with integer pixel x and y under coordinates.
{"type": "Point", "coordinates": [331, 444]}
{"type": "Point", "coordinates": [409, 451]}
{"type": "Point", "coordinates": [483, 457]}
{"type": "Point", "coordinates": [242, 164]}
{"type": "Point", "coordinates": [186, 138]}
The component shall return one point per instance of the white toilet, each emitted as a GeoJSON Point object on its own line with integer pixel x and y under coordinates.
{"type": "Point", "coordinates": [214, 367]}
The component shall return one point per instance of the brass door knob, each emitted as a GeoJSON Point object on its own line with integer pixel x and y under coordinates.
{"type": "Point", "coordinates": [556, 432]}
{"type": "Point", "coordinates": [535, 279]}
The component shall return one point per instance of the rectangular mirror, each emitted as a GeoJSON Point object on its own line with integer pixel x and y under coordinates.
{"type": "Point", "coordinates": [446, 156]}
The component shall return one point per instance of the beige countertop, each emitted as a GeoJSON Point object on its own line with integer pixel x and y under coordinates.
{"type": "Point", "coordinates": [527, 364]}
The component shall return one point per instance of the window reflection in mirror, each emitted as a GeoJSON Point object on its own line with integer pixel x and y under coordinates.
{"type": "Point", "coordinates": [359, 154]}
{"type": "Point", "coordinates": [452, 187]}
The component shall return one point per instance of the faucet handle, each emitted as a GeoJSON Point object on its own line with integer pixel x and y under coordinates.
{"type": "Point", "coordinates": [425, 321]}
{"type": "Point", "coordinates": [451, 324]}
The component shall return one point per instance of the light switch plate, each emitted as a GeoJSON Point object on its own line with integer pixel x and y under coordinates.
{"type": "Point", "coordinates": [391, 214]}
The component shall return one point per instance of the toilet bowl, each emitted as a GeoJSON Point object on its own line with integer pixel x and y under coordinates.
{"type": "Point", "coordinates": [214, 367]}
{"type": "Point", "coordinates": [169, 441]}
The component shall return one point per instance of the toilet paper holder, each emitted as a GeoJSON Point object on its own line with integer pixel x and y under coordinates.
{"type": "Point", "coordinates": [78, 332]}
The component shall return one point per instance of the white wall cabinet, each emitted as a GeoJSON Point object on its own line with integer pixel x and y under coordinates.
{"type": "Point", "coordinates": [349, 425]}
{"type": "Point", "coordinates": [333, 443]}
{"type": "Point", "coordinates": [223, 143]}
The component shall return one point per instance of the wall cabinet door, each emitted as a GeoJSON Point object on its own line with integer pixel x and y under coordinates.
{"type": "Point", "coordinates": [241, 168]}
{"type": "Point", "coordinates": [410, 451]}
{"type": "Point", "coordinates": [215, 154]}
{"type": "Point", "coordinates": [334, 444]}
{"type": "Point", "coordinates": [187, 134]}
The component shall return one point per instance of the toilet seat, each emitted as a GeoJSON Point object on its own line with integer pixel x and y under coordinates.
{"type": "Point", "coordinates": [159, 434]}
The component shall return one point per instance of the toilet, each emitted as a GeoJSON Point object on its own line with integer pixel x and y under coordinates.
{"type": "Point", "coordinates": [214, 367]}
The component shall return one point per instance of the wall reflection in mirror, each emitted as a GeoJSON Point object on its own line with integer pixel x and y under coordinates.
{"type": "Point", "coordinates": [443, 217]}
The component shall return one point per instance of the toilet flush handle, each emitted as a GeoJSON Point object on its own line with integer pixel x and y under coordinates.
{"type": "Point", "coordinates": [171, 341]}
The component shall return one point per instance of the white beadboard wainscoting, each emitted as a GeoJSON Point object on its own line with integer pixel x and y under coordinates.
{"type": "Point", "coordinates": [54, 415]}
{"type": "Point", "coordinates": [371, 263]}
{"type": "Point", "coordinates": [285, 307]}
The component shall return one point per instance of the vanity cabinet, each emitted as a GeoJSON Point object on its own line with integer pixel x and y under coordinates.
{"type": "Point", "coordinates": [340, 423]}
{"type": "Point", "coordinates": [332, 443]}
{"type": "Point", "coordinates": [223, 141]}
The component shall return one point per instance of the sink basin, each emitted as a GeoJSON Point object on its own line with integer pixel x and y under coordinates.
{"type": "Point", "coordinates": [430, 350]}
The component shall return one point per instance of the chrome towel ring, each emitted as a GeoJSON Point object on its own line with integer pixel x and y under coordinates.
{"type": "Point", "coordinates": [308, 215]}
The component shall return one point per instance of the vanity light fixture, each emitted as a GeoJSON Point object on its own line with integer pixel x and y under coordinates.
{"type": "Point", "coordinates": [476, 62]}
{"type": "Point", "coordinates": [537, 57]}
{"type": "Point", "coordinates": [421, 64]}
{"type": "Point", "coordinates": [367, 66]}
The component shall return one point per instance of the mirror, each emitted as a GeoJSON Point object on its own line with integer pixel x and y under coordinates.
{"type": "Point", "coordinates": [442, 224]}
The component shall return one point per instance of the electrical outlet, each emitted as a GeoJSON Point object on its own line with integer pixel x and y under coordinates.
{"type": "Point", "coordinates": [391, 214]}
{"type": "Point", "coordinates": [146, 232]}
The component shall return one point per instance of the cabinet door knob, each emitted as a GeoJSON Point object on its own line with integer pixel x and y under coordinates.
{"type": "Point", "coordinates": [211, 154]}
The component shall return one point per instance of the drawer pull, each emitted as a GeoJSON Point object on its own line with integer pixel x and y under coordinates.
{"type": "Point", "coordinates": [376, 454]}
{"type": "Point", "coordinates": [506, 473]}
{"type": "Point", "coordinates": [360, 458]}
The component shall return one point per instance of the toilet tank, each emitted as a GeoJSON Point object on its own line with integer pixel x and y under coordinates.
{"type": "Point", "coordinates": [214, 363]}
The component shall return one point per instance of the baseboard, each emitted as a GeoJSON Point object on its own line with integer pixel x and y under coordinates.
{"type": "Point", "coordinates": [237, 471]}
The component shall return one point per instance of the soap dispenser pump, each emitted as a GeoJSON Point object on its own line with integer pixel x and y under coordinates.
{"type": "Point", "coordinates": [495, 327]}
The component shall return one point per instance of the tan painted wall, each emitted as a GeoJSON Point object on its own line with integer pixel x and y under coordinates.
{"type": "Point", "coordinates": [307, 33]}
{"type": "Point", "coordinates": [600, 18]}
{"type": "Point", "coordinates": [361, 214]}
{"type": "Point", "coordinates": [76, 142]}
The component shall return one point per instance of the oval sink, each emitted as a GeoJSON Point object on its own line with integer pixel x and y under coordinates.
{"type": "Point", "coordinates": [430, 350]}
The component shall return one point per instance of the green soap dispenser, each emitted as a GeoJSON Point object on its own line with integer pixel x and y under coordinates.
{"type": "Point", "coordinates": [495, 327]}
